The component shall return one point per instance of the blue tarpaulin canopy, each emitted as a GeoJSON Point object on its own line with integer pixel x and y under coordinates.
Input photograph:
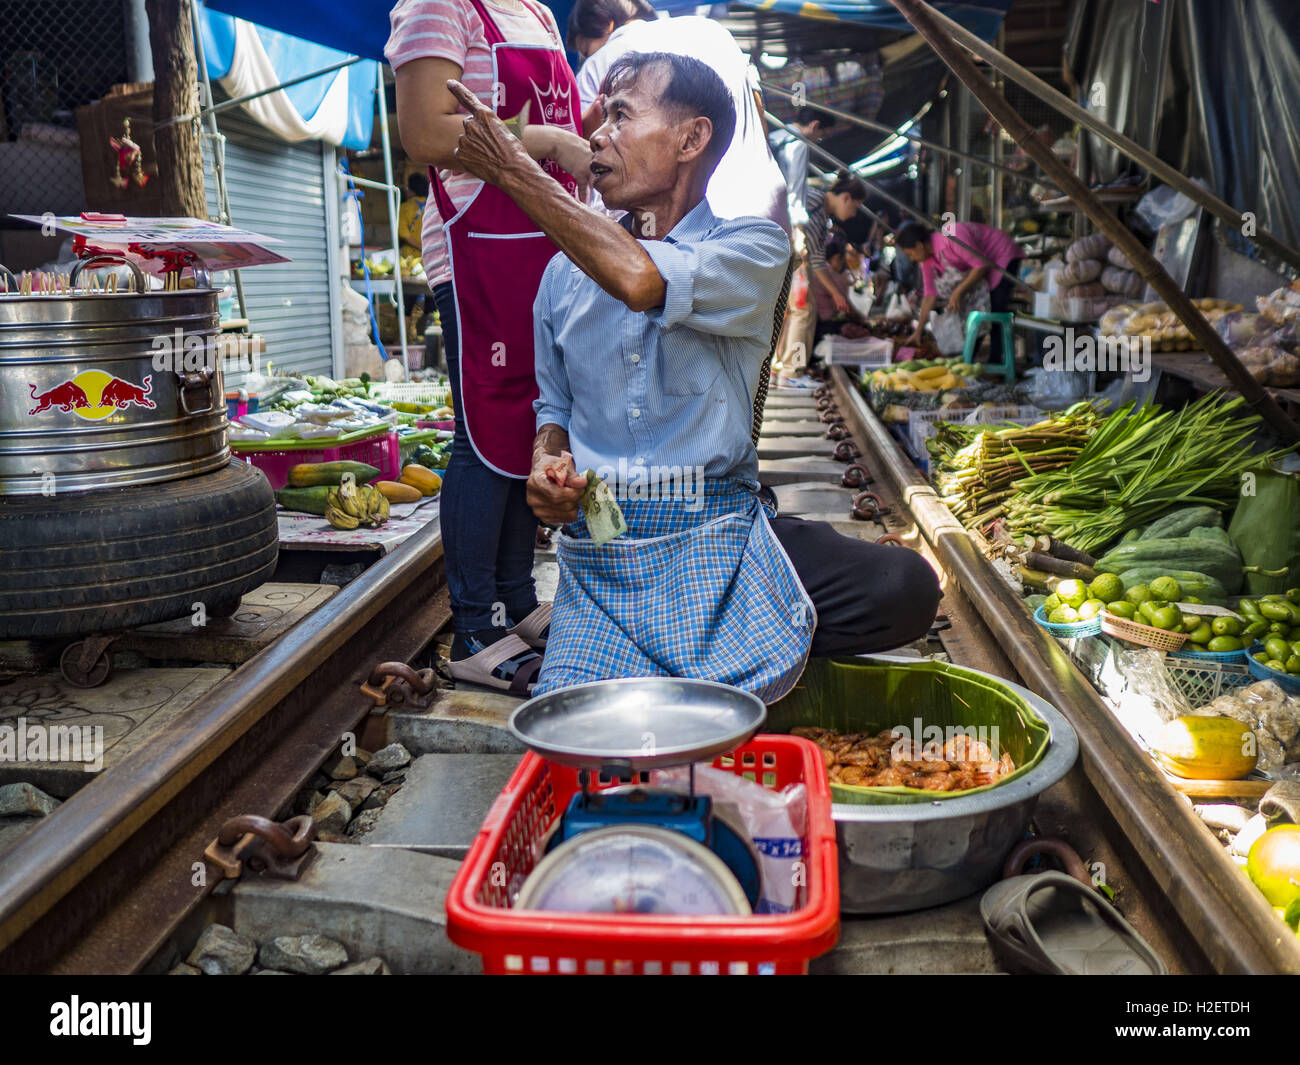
{"type": "Point", "coordinates": [338, 107]}
{"type": "Point", "coordinates": [360, 27]}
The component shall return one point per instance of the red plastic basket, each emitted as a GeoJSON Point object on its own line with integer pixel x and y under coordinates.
{"type": "Point", "coordinates": [382, 451]}
{"type": "Point", "coordinates": [479, 917]}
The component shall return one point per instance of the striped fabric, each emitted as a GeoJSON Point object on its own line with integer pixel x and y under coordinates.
{"type": "Point", "coordinates": [672, 387]}
{"type": "Point", "coordinates": [452, 29]}
{"type": "Point", "coordinates": [818, 227]}
{"type": "Point", "coordinates": [706, 593]}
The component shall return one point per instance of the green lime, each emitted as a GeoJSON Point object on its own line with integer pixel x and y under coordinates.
{"type": "Point", "coordinates": [1106, 586]}
{"type": "Point", "coordinates": [1260, 657]}
{"type": "Point", "coordinates": [1139, 593]}
{"type": "Point", "coordinates": [1280, 612]}
{"type": "Point", "coordinates": [1201, 634]}
{"type": "Point", "coordinates": [1166, 588]}
{"type": "Point", "coordinates": [1072, 593]}
{"type": "Point", "coordinates": [1122, 608]}
{"type": "Point", "coordinates": [1196, 600]}
{"type": "Point", "coordinates": [1063, 615]}
{"type": "Point", "coordinates": [1091, 608]}
{"type": "Point", "coordinates": [1273, 864]}
{"type": "Point", "coordinates": [1167, 617]}
{"type": "Point", "coordinates": [1293, 595]}
{"type": "Point", "coordinates": [1249, 607]}
{"type": "Point", "coordinates": [1279, 628]}
{"type": "Point", "coordinates": [1147, 610]}
{"type": "Point", "coordinates": [1293, 664]}
{"type": "Point", "coordinates": [1275, 665]}
{"type": "Point", "coordinates": [1226, 626]}
{"type": "Point", "coordinates": [1224, 643]}
{"type": "Point", "coordinates": [1053, 601]}
{"type": "Point", "coordinates": [1255, 628]}
{"type": "Point", "coordinates": [1295, 647]}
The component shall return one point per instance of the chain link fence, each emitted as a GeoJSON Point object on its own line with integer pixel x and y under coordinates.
{"type": "Point", "coordinates": [55, 56]}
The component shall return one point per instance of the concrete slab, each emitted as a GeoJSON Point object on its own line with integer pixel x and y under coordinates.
{"type": "Point", "coordinates": [376, 901]}
{"type": "Point", "coordinates": [795, 427]}
{"type": "Point", "coordinates": [947, 939]}
{"type": "Point", "coordinates": [59, 737]}
{"type": "Point", "coordinates": [264, 615]}
{"type": "Point", "coordinates": [804, 499]}
{"type": "Point", "coordinates": [790, 470]}
{"type": "Point", "coordinates": [789, 447]}
{"type": "Point", "coordinates": [779, 398]}
{"type": "Point", "coordinates": [546, 575]}
{"type": "Point", "coordinates": [443, 802]}
{"type": "Point", "coordinates": [786, 414]}
{"type": "Point", "coordinates": [460, 721]}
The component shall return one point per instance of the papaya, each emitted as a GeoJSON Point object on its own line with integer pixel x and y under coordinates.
{"type": "Point", "coordinates": [1181, 522]}
{"type": "Point", "coordinates": [428, 482]}
{"type": "Point", "coordinates": [1206, 748]}
{"type": "Point", "coordinates": [304, 500]}
{"type": "Point", "coordinates": [397, 492]}
{"type": "Point", "coordinates": [307, 474]}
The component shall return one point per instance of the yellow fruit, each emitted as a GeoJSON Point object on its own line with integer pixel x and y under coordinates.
{"type": "Point", "coordinates": [931, 372]}
{"type": "Point", "coordinates": [1273, 864]}
{"type": "Point", "coordinates": [428, 482]}
{"type": "Point", "coordinates": [1206, 748]}
{"type": "Point", "coordinates": [396, 492]}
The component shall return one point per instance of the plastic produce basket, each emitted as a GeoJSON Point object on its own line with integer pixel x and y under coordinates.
{"type": "Point", "coordinates": [1090, 627]}
{"type": "Point", "coordinates": [1224, 657]}
{"type": "Point", "coordinates": [1201, 681]}
{"type": "Point", "coordinates": [1146, 635]}
{"type": "Point", "coordinates": [1286, 681]}
{"type": "Point", "coordinates": [480, 917]}
{"type": "Point", "coordinates": [411, 392]}
{"type": "Point", "coordinates": [380, 450]}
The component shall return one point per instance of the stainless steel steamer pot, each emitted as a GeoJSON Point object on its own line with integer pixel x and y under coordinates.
{"type": "Point", "coordinates": [84, 403]}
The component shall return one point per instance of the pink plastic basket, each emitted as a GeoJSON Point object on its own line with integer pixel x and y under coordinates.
{"type": "Point", "coordinates": [381, 451]}
{"type": "Point", "coordinates": [480, 917]}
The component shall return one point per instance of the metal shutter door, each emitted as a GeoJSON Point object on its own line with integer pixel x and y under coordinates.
{"type": "Point", "coordinates": [277, 189]}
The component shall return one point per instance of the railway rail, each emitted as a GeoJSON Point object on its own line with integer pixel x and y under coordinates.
{"type": "Point", "coordinates": [108, 879]}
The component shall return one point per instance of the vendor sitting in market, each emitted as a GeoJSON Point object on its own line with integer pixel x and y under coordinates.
{"type": "Point", "coordinates": [953, 275]}
{"type": "Point", "coordinates": [830, 318]}
{"type": "Point", "coordinates": [650, 335]}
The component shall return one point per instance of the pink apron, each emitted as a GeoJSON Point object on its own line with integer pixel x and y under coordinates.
{"type": "Point", "coordinates": [497, 258]}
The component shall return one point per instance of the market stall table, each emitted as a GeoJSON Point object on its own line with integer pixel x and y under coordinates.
{"type": "Point", "coordinates": [1198, 368]}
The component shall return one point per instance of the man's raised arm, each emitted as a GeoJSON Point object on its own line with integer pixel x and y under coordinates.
{"type": "Point", "coordinates": [598, 245]}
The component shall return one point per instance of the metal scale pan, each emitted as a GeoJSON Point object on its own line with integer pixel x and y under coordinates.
{"type": "Point", "coordinates": [630, 724]}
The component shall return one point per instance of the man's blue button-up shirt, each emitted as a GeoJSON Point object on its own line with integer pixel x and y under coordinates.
{"type": "Point", "coordinates": [672, 386]}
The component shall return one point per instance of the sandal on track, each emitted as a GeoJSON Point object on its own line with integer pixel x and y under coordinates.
{"type": "Point", "coordinates": [480, 668]}
{"type": "Point", "coordinates": [1050, 923]}
{"type": "Point", "coordinates": [534, 629]}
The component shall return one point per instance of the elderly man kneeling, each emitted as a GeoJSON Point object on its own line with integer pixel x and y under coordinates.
{"type": "Point", "coordinates": [650, 335]}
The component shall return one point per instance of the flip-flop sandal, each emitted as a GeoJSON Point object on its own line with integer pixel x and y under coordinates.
{"type": "Point", "coordinates": [1052, 924]}
{"type": "Point", "coordinates": [534, 629]}
{"type": "Point", "coordinates": [478, 668]}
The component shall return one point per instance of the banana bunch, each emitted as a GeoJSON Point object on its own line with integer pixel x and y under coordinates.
{"type": "Point", "coordinates": [351, 505]}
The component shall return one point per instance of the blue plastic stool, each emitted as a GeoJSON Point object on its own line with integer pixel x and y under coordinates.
{"type": "Point", "coordinates": [1003, 320]}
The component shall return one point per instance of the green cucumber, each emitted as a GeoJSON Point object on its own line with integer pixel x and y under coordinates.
{"type": "Point", "coordinates": [1182, 522]}
{"type": "Point", "coordinates": [304, 500]}
{"type": "Point", "coordinates": [1211, 557]}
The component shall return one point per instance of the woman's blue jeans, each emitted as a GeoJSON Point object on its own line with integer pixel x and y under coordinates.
{"type": "Point", "coordinates": [488, 530]}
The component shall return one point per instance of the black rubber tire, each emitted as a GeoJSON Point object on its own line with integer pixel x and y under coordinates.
{"type": "Point", "coordinates": [91, 562]}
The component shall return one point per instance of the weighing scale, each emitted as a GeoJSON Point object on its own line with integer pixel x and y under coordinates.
{"type": "Point", "coordinates": [620, 729]}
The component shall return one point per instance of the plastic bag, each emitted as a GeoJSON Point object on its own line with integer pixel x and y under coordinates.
{"type": "Point", "coordinates": [949, 334]}
{"type": "Point", "coordinates": [1058, 389]}
{"type": "Point", "coordinates": [1164, 206]}
{"type": "Point", "coordinates": [1149, 699]}
{"type": "Point", "coordinates": [774, 820]}
{"type": "Point", "coordinates": [1238, 328]}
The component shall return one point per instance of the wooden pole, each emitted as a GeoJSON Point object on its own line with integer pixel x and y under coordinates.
{"type": "Point", "coordinates": [922, 18]}
{"type": "Point", "coordinates": [1166, 173]}
{"type": "Point", "coordinates": [175, 93]}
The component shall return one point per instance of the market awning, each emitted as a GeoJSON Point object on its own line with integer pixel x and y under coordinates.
{"type": "Point", "coordinates": [360, 27]}
{"type": "Point", "coordinates": [337, 107]}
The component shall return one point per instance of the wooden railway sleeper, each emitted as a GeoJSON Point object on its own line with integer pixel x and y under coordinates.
{"type": "Point", "coordinates": [266, 847]}
{"type": "Point", "coordinates": [397, 684]}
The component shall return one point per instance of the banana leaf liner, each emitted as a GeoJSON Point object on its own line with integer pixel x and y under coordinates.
{"type": "Point", "coordinates": [856, 695]}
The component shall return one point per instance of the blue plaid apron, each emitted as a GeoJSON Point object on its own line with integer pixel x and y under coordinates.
{"type": "Point", "coordinates": [707, 592]}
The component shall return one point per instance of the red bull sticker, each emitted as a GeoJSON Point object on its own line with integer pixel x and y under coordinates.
{"type": "Point", "coordinates": [93, 395]}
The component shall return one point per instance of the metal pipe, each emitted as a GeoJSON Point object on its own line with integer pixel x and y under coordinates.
{"type": "Point", "coordinates": [918, 215]}
{"type": "Point", "coordinates": [393, 209]}
{"type": "Point", "coordinates": [921, 16]}
{"type": "Point", "coordinates": [1166, 173]}
{"type": "Point", "coordinates": [218, 152]}
{"type": "Point", "coordinates": [225, 105]}
{"type": "Point", "coordinates": [1233, 923]}
{"type": "Point", "coordinates": [880, 127]}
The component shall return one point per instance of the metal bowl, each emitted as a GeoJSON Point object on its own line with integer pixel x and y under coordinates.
{"type": "Point", "coordinates": [913, 856]}
{"type": "Point", "coordinates": [637, 723]}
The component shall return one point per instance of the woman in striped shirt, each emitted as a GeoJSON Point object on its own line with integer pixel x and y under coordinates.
{"type": "Point", "coordinates": [484, 259]}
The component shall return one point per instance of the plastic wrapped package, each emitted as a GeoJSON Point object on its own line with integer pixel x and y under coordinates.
{"type": "Point", "coordinates": [1238, 328]}
{"type": "Point", "coordinates": [1271, 714]}
{"type": "Point", "coordinates": [1164, 206]}
{"type": "Point", "coordinates": [1081, 271]}
{"type": "Point", "coordinates": [1117, 258]}
{"type": "Point", "coordinates": [1281, 306]}
{"type": "Point", "coordinates": [245, 434]}
{"type": "Point", "coordinates": [773, 820]}
{"type": "Point", "coordinates": [1091, 247]}
{"type": "Point", "coordinates": [1115, 321]}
